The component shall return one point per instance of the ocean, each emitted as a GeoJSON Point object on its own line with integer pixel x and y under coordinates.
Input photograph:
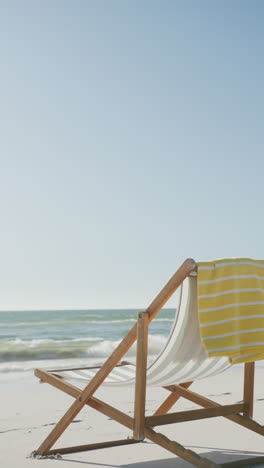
{"type": "Point", "coordinates": [71, 338]}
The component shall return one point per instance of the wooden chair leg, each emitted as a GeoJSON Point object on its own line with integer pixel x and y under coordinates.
{"type": "Point", "coordinates": [141, 376]}
{"type": "Point", "coordinates": [249, 371]}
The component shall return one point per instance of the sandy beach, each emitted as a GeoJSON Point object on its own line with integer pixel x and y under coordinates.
{"type": "Point", "coordinates": [30, 409]}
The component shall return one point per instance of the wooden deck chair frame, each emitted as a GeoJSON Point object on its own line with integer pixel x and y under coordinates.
{"type": "Point", "coordinates": [142, 426]}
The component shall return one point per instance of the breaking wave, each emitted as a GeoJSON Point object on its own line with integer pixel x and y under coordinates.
{"type": "Point", "coordinates": [43, 349]}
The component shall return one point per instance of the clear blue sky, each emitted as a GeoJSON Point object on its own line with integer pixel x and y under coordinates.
{"type": "Point", "coordinates": [131, 138]}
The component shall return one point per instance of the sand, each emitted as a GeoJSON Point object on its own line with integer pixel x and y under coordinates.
{"type": "Point", "coordinates": [29, 410]}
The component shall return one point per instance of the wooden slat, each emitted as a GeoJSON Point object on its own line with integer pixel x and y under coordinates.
{"type": "Point", "coordinates": [193, 415]}
{"type": "Point", "coordinates": [85, 448]}
{"type": "Point", "coordinates": [206, 403]}
{"type": "Point", "coordinates": [170, 401]}
{"type": "Point", "coordinates": [122, 363]}
{"type": "Point", "coordinates": [186, 268]}
{"type": "Point", "coordinates": [249, 371]}
{"type": "Point", "coordinates": [141, 375]}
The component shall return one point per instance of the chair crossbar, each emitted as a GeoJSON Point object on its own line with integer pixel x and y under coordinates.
{"type": "Point", "coordinates": [99, 445]}
{"type": "Point", "coordinates": [206, 403]}
{"type": "Point", "coordinates": [192, 415]}
{"type": "Point", "coordinates": [121, 364]}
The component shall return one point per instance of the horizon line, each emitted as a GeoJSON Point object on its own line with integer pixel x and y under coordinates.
{"type": "Point", "coordinates": [78, 309]}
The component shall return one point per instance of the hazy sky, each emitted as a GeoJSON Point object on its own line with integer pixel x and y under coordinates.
{"type": "Point", "coordinates": [131, 138]}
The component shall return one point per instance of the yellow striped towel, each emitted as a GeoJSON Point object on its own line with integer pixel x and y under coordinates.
{"type": "Point", "coordinates": [231, 308]}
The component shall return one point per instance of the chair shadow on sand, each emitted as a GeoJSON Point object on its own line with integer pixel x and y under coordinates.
{"type": "Point", "coordinates": [217, 455]}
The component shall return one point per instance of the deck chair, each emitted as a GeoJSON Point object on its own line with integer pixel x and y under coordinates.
{"type": "Point", "coordinates": [181, 361]}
